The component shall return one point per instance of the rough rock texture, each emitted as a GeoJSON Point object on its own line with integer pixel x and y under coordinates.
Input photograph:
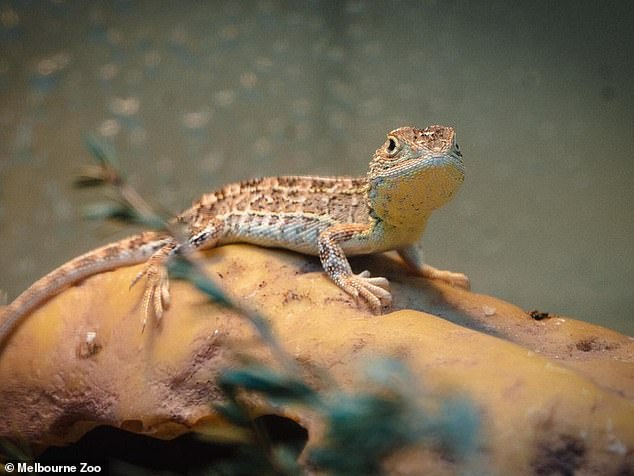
{"type": "Point", "coordinates": [552, 393]}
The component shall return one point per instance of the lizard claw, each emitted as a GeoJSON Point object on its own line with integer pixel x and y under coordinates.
{"type": "Point", "coordinates": [156, 296]}
{"type": "Point", "coordinates": [457, 280]}
{"type": "Point", "coordinates": [375, 291]}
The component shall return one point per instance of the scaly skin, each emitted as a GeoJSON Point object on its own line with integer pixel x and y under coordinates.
{"type": "Point", "coordinates": [414, 172]}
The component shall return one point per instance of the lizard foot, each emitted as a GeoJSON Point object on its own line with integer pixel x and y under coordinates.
{"type": "Point", "coordinates": [156, 297]}
{"type": "Point", "coordinates": [458, 280]}
{"type": "Point", "coordinates": [373, 290]}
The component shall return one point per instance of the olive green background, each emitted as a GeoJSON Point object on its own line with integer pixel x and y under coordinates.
{"type": "Point", "coordinates": [196, 94]}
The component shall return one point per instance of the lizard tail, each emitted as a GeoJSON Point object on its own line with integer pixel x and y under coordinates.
{"type": "Point", "coordinates": [132, 250]}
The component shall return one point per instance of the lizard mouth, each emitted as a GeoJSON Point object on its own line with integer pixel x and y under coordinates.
{"type": "Point", "coordinates": [442, 165]}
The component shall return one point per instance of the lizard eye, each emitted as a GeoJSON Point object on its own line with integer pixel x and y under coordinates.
{"type": "Point", "coordinates": [392, 146]}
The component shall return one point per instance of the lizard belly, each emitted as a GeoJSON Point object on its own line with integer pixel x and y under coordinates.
{"type": "Point", "coordinates": [300, 232]}
{"type": "Point", "coordinates": [293, 231]}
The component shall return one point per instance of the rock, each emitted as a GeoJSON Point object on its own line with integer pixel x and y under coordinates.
{"type": "Point", "coordinates": [550, 392]}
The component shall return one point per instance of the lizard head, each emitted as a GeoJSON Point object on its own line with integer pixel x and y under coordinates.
{"type": "Point", "coordinates": [414, 172]}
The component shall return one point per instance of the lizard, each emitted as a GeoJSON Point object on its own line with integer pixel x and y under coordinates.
{"type": "Point", "coordinates": [414, 172]}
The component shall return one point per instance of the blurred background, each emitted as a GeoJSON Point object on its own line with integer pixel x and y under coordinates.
{"type": "Point", "coordinates": [194, 94]}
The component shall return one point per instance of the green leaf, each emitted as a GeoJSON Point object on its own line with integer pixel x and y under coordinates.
{"type": "Point", "coordinates": [110, 211]}
{"type": "Point", "coordinates": [271, 384]}
{"type": "Point", "coordinates": [181, 268]}
{"type": "Point", "coordinates": [104, 155]}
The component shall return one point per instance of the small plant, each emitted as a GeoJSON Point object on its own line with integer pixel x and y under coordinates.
{"type": "Point", "coordinates": [363, 428]}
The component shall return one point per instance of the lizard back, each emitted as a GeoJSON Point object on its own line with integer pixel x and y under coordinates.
{"type": "Point", "coordinates": [288, 211]}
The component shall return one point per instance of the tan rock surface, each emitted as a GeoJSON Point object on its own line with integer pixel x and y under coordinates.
{"type": "Point", "coordinates": [81, 360]}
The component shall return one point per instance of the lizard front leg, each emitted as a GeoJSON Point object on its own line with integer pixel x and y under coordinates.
{"type": "Point", "coordinates": [156, 297]}
{"type": "Point", "coordinates": [333, 259]}
{"type": "Point", "coordinates": [414, 261]}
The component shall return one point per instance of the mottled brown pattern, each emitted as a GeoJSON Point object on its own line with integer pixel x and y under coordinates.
{"type": "Point", "coordinates": [292, 194]}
